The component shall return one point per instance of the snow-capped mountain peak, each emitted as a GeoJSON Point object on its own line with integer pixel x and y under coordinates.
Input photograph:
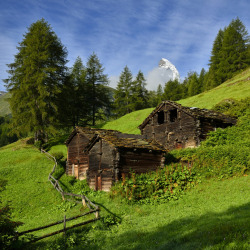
{"type": "Point", "coordinates": [164, 63]}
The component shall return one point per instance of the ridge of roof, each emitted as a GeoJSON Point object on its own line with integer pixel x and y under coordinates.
{"type": "Point", "coordinates": [135, 143]}
{"type": "Point", "coordinates": [193, 111]}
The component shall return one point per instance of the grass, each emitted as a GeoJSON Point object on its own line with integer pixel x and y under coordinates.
{"type": "Point", "coordinates": [238, 88]}
{"type": "Point", "coordinates": [129, 123]}
{"type": "Point", "coordinates": [34, 200]}
{"type": "Point", "coordinates": [214, 215]}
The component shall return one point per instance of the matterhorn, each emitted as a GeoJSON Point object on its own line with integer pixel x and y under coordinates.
{"type": "Point", "coordinates": [165, 64]}
{"type": "Point", "coordinates": [165, 72]}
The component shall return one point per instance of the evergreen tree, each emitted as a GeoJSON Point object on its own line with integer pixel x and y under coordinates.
{"type": "Point", "coordinates": [234, 54]}
{"type": "Point", "coordinates": [122, 97]}
{"type": "Point", "coordinates": [193, 85]}
{"type": "Point", "coordinates": [214, 78]}
{"type": "Point", "coordinates": [202, 79]}
{"type": "Point", "coordinates": [99, 96]}
{"type": "Point", "coordinates": [230, 53]}
{"type": "Point", "coordinates": [139, 93]}
{"type": "Point", "coordinates": [159, 94]}
{"type": "Point", "coordinates": [172, 90]}
{"type": "Point", "coordinates": [35, 80]}
{"type": "Point", "coordinates": [73, 108]}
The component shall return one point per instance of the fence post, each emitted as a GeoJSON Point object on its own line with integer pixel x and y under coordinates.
{"type": "Point", "coordinates": [83, 201]}
{"type": "Point", "coordinates": [97, 214]}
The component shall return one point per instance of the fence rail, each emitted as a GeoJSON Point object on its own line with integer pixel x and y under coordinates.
{"type": "Point", "coordinates": [55, 183]}
{"type": "Point", "coordinates": [85, 202]}
{"type": "Point", "coordinates": [18, 234]}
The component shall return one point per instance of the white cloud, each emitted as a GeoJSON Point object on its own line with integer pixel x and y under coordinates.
{"type": "Point", "coordinates": [158, 76]}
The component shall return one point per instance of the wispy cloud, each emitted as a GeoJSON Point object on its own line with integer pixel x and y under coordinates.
{"type": "Point", "coordinates": [133, 33]}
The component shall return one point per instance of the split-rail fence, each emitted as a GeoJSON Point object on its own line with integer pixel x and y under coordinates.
{"type": "Point", "coordinates": [94, 209]}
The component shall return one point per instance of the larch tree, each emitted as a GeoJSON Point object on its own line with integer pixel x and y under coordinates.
{"type": "Point", "coordinates": [73, 108]}
{"type": "Point", "coordinates": [123, 93]}
{"type": "Point", "coordinates": [99, 96]}
{"type": "Point", "coordinates": [35, 80]}
{"type": "Point", "coordinates": [230, 53]}
{"type": "Point", "coordinates": [139, 93]}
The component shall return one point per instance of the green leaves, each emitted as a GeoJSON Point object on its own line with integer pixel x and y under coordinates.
{"type": "Point", "coordinates": [156, 187]}
{"type": "Point", "coordinates": [35, 79]}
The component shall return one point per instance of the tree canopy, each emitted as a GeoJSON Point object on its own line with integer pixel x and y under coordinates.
{"type": "Point", "coordinates": [35, 80]}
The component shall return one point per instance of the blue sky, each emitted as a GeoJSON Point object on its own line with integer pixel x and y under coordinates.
{"type": "Point", "coordinates": [136, 33]}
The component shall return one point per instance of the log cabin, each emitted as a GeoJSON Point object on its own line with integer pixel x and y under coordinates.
{"type": "Point", "coordinates": [77, 160]}
{"type": "Point", "coordinates": [176, 126]}
{"type": "Point", "coordinates": [113, 156]}
{"type": "Point", "coordinates": [103, 157]}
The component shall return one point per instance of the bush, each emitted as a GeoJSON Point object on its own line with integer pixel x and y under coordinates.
{"type": "Point", "coordinates": [166, 184]}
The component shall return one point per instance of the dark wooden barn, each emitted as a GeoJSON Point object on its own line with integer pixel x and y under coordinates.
{"type": "Point", "coordinates": [176, 126]}
{"type": "Point", "coordinates": [105, 156]}
{"type": "Point", "coordinates": [114, 155]}
{"type": "Point", "coordinates": [77, 159]}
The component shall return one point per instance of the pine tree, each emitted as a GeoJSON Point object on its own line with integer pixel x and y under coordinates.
{"type": "Point", "coordinates": [139, 93]}
{"type": "Point", "coordinates": [99, 97]}
{"type": "Point", "coordinates": [73, 108]}
{"type": "Point", "coordinates": [122, 97]}
{"type": "Point", "coordinates": [159, 94]}
{"type": "Point", "coordinates": [230, 53]}
{"type": "Point", "coordinates": [172, 90]}
{"type": "Point", "coordinates": [193, 85]}
{"type": "Point", "coordinates": [202, 79]}
{"type": "Point", "coordinates": [35, 80]}
{"type": "Point", "coordinates": [234, 54]}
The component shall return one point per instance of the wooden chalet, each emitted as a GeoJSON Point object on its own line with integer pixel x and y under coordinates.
{"type": "Point", "coordinates": [176, 126]}
{"type": "Point", "coordinates": [77, 159]}
{"type": "Point", "coordinates": [105, 156]}
{"type": "Point", "coordinates": [113, 156]}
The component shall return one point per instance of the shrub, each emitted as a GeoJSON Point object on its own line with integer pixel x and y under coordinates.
{"type": "Point", "coordinates": [161, 186]}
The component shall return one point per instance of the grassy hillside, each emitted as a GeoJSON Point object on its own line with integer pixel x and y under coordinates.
{"type": "Point", "coordinates": [213, 215]}
{"type": "Point", "coordinates": [34, 200]}
{"type": "Point", "coordinates": [129, 123]}
{"type": "Point", "coordinates": [237, 88]}
{"type": "Point", "coordinates": [4, 105]}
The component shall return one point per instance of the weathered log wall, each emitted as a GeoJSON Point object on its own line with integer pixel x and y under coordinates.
{"type": "Point", "coordinates": [77, 160]}
{"type": "Point", "coordinates": [172, 128]}
{"type": "Point", "coordinates": [101, 166]}
{"type": "Point", "coordinates": [138, 162]}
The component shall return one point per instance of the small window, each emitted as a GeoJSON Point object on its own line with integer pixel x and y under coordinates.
{"type": "Point", "coordinates": [161, 117]}
{"type": "Point", "coordinates": [173, 115]}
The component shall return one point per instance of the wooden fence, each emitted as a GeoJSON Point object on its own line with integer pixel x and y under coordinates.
{"type": "Point", "coordinates": [84, 200]}
{"type": "Point", "coordinates": [18, 234]}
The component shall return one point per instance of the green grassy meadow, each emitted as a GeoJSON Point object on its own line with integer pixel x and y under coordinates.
{"type": "Point", "coordinates": [129, 123]}
{"type": "Point", "coordinates": [212, 215]}
{"type": "Point", "coordinates": [238, 88]}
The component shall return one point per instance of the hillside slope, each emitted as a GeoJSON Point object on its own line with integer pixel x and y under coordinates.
{"type": "Point", "coordinates": [34, 200]}
{"type": "Point", "coordinates": [237, 88]}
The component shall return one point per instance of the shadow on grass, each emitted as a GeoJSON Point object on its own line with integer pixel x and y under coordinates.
{"type": "Point", "coordinates": [230, 230]}
{"type": "Point", "coordinates": [217, 230]}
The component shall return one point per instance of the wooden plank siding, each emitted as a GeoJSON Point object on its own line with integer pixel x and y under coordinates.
{"type": "Point", "coordinates": [77, 162]}
{"type": "Point", "coordinates": [175, 126]}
